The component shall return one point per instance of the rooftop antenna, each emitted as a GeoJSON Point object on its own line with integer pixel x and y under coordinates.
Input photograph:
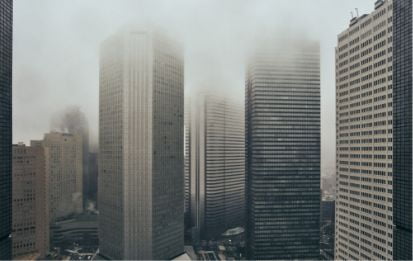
{"type": "Point", "coordinates": [351, 12]}
{"type": "Point", "coordinates": [357, 12]}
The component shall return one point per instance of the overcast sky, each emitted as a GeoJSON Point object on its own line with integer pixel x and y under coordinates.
{"type": "Point", "coordinates": [56, 46]}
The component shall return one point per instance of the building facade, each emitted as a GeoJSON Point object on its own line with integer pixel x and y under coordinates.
{"type": "Point", "coordinates": [141, 153]}
{"type": "Point", "coordinates": [217, 165]}
{"type": "Point", "coordinates": [6, 38]}
{"type": "Point", "coordinates": [74, 121]}
{"type": "Point", "coordinates": [93, 178]}
{"type": "Point", "coordinates": [364, 133]}
{"type": "Point", "coordinates": [30, 236]}
{"type": "Point", "coordinates": [187, 157]}
{"type": "Point", "coordinates": [402, 130]}
{"type": "Point", "coordinates": [327, 228]}
{"type": "Point", "coordinates": [64, 167]}
{"type": "Point", "coordinates": [283, 151]}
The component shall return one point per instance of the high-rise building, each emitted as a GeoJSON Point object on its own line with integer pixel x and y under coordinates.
{"type": "Point", "coordinates": [187, 158]}
{"type": "Point", "coordinates": [74, 121]}
{"type": "Point", "coordinates": [30, 236]}
{"type": "Point", "coordinates": [141, 153]}
{"type": "Point", "coordinates": [402, 130]}
{"type": "Point", "coordinates": [6, 35]}
{"type": "Point", "coordinates": [64, 167]}
{"type": "Point", "coordinates": [283, 151]}
{"type": "Point", "coordinates": [364, 133]}
{"type": "Point", "coordinates": [217, 165]}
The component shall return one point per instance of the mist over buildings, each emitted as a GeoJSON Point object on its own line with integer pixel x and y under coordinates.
{"type": "Point", "coordinates": [70, 120]}
{"type": "Point", "coordinates": [56, 51]}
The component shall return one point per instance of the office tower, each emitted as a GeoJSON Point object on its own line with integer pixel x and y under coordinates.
{"type": "Point", "coordinates": [187, 158]}
{"type": "Point", "coordinates": [364, 137]}
{"type": "Point", "coordinates": [30, 237]}
{"type": "Point", "coordinates": [6, 35]}
{"type": "Point", "coordinates": [64, 171]}
{"type": "Point", "coordinates": [141, 156]}
{"type": "Point", "coordinates": [74, 121]}
{"type": "Point", "coordinates": [402, 130]}
{"type": "Point", "coordinates": [217, 165]}
{"type": "Point", "coordinates": [283, 150]}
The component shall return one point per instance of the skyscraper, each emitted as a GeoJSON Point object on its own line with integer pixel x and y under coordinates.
{"type": "Point", "coordinates": [74, 121]}
{"type": "Point", "coordinates": [217, 165]}
{"type": "Point", "coordinates": [402, 130]}
{"type": "Point", "coordinates": [30, 203]}
{"type": "Point", "coordinates": [64, 167]}
{"type": "Point", "coordinates": [187, 158]}
{"type": "Point", "coordinates": [283, 151]}
{"type": "Point", "coordinates": [6, 37]}
{"type": "Point", "coordinates": [364, 133]}
{"type": "Point", "coordinates": [141, 156]}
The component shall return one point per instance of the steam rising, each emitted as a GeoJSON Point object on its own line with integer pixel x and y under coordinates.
{"type": "Point", "coordinates": [70, 120]}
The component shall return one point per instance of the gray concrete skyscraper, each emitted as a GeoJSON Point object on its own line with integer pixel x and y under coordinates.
{"type": "Point", "coordinates": [141, 154]}
{"type": "Point", "coordinates": [6, 36]}
{"type": "Point", "coordinates": [217, 165]}
{"type": "Point", "coordinates": [283, 151]}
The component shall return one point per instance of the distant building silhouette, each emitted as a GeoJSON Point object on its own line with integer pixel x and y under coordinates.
{"type": "Point", "coordinates": [217, 165]}
{"type": "Point", "coordinates": [93, 177]}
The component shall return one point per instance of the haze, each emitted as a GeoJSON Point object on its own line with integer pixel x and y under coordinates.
{"type": "Point", "coordinates": [56, 47]}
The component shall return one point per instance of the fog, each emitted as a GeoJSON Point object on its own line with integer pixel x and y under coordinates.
{"type": "Point", "coordinates": [69, 120]}
{"type": "Point", "coordinates": [56, 47]}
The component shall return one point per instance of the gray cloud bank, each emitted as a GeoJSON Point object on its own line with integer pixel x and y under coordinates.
{"type": "Point", "coordinates": [56, 47]}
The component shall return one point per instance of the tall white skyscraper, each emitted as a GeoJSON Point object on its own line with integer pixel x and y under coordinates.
{"type": "Point", "coordinates": [364, 150]}
{"type": "Point", "coordinates": [141, 157]}
{"type": "Point", "coordinates": [217, 165]}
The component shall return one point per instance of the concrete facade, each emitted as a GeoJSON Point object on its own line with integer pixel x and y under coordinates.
{"type": "Point", "coordinates": [30, 202]}
{"type": "Point", "coordinates": [364, 136]}
{"type": "Point", "coordinates": [64, 167]}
